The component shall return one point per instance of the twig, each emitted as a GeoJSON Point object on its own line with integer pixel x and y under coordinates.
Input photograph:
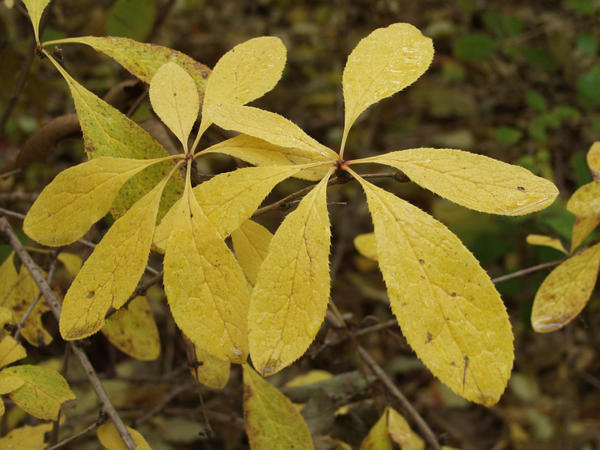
{"type": "Point", "coordinates": [76, 435]}
{"type": "Point", "coordinates": [55, 305]}
{"type": "Point", "coordinates": [9, 173]}
{"type": "Point", "coordinates": [165, 401]}
{"type": "Point", "coordinates": [427, 432]}
{"type": "Point", "coordinates": [18, 196]}
{"type": "Point", "coordinates": [523, 272]}
{"type": "Point", "coordinates": [35, 302]}
{"type": "Point", "coordinates": [63, 372]}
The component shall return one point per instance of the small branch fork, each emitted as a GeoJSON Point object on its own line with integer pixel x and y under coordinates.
{"type": "Point", "coordinates": [55, 305]}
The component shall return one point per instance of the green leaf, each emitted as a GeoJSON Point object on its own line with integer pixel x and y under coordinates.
{"type": "Point", "coordinates": [535, 100]}
{"type": "Point", "coordinates": [108, 132]}
{"type": "Point", "coordinates": [462, 333]}
{"type": "Point", "coordinates": [539, 57]}
{"type": "Point", "coordinates": [291, 293]}
{"type": "Point", "coordinates": [588, 87]}
{"type": "Point", "coordinates": [272, 421]}
{"type": "Point", "coordinates": [507, 135]}
{"type": "Point", "coordinates": [474, 47]}
{"type": "Point", "coordinates": [113, 270]}
{"type": "Point", "coordinates": [131, 18]}
{"type": "Point", "coordinates": [583, 7]}
{"type": "Point", "coordinates": [43, 392]}
{"type": "Point", "coordinates": [587, 43]}
{"type": "Point", "coordinates": [36, 8]}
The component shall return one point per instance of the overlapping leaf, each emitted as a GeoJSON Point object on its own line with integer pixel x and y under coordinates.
{"type": "Point", "coordinates": [366, 245]}
{"type": "Point", "coordinates": [582, 228]}
{"type": "Point", "coordinates": [111, 273]}
{"type": "Point", "coordinates": [475, 181]}
{"type": "Point", "coordinates": [565, 292]}
{"type": "Point", "coordinates": [585, 202]}
{"type": "Point", "coordinates": [462, 333]}
{"type": "Point", "coordinates": [546, 241]}
{"type": "Point", "coordinates": [26, 437]}
{"type": "Point", "coordinates": [390, 429]}
{"type": "Point", "coordinates": [204, 284]}
{"type": "Point", "coordinates": [272, 421]}
{"type": "Point", "coordinates": [212, 372]}
{"type": "Point", "coordinates": [593, 159]}
{"type": "Point", "coordinates": [10, 351]}
{"type": "Point", "coordinates": [291, 292]}
{"type": "Point", "coordinates": [110, 438]}
{"type": "Point", "coordinates": [251, 245]}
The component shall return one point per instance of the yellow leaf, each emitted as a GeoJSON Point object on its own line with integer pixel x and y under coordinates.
{"type": "Point", "coordinates": [246, 72]}
{"type": "Point", "coordinates": [71, 262]}
{"type": "Point", "coordinates": [251, 244]}
{"type": "Point", "coordinates": [401, 433]}
{"type": "Point", "coordinates": [290, 297]}
{"type": "Point", "coordinates": [77, 198]}
{"type": "Point", "coordinates": [108, 132]}
{"type": "Point", "coordinates": [582, 228]}
{"type": "Point", "coordinates": [272, 421]}
{"type": "Point", "coordinates": [133, 330]}
{"type": "Point", "coordinates": [260, 153]}
{"type": "Point", "coordinates": [475, 181]}
{"type": "Point", "coordinates": [383, 63]}
{"type": "Point", "coordinates": [366, 246]}
{"type": "Point", "coordinates": [330, 443]}
{"type": "Point", "coordinates": [593, 159]}
{"type": "Point", "coordinates": [378, 437]}
{"type": "Point", "coordinates": [10, 351]}
{"type": "Point", "coordinates": [212, 372]}
{"type": "Point", "coordinates": [205, 286]}
{"type": "Point", "coordinates": [585, 201]}
{"type": "Point", "coordinates": [9, 383]}
{"type": "Point", "coordinates": [110, 438]}
{"type": "Point", "coordinates": [9, 278]}
{"type": "Point", "coordinates": [269, 127]}
{"type": "Point", "coordinates": [312, 376]}
{"type": "Point", "coordinates": [175, 100]}
{"type": "Point", "coordinates": [462, 333]}
{"type": "Point", "coordinates": [42, 393]}
{"type": "Point", "coordinates": [36, 8]}
{"type": "Point", "coordinates": [229, 199]}
{"type": "Point", "coordinates": [143, 60]}
{"type": "Point", "coordinates": [19, 300]}
{"type": "Point", "coordinates": [565, 292]}
{"type": "Point", "coordinates": [545, 241]}
{"type": "Point", "coordinates": [111, 273]}
{"type": "Point", "coordinates": [26, 438]}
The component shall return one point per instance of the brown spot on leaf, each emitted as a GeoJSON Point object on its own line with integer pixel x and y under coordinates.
{"type": "Point", "coordinates": [521, 188]}
{"type": "Point", "coordinates": [453, 294]}
{"type": "Point", "coordinates": [429, 337]}
{"type": "Point", "coordinates": [90, 294]}
{"type": "Point", "coordinates": [421, 261]}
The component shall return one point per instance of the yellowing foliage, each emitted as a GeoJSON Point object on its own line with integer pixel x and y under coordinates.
{"type": "Point", "coordinates": [111, 273]}
{"type": "Point", "coordinates": [175, 100]}
{"type": "Point", "coordinates": [545, 241]}
{"type": "Point", "coordinates": [593, 159]}
{"type": "Point", "coordinates": [109, 437]}
{"type": "Point", "coordinates": [565, 292]}
{"type": "Point", "coordinates": [366, 245]}
{"type": "Point", "coordinates": [293, 280]}
{"type": "Point", "coordinates": [389, 429]}
{"type": "Point", "coordinates": [10, 351]}
{"type": "Point", "coordinates": [26, 438]}
{"type": "Point", "coordinates": [251, 245]}
{"type": "Point", "coordinates": [212, 372]}
{"type": "Point", "coordinates": [272, 421]}
{"type": "Point", "coordinates": [36, 8]}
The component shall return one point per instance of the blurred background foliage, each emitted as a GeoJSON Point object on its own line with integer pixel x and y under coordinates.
{"type": "Point", "coordinates": [517, 81]}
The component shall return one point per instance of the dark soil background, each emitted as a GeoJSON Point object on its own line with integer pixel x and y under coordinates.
{"type": "Point", "coordinates": [517, 81]}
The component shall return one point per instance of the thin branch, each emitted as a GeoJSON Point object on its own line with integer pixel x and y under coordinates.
{"type": "Point", "coordinates": [77, 435]}
{"type": "Point", "coordinates": [55, 305]}
{"type": "Point", "coordinates": [18, 196]}
{"type": "Point", "coordinates": [523, 272]}
{"type": "Point", "coordinates": [165, 401]}
{"type": "Point", "coordinates": [35, 302]}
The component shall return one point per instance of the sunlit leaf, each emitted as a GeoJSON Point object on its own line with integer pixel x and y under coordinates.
{"type": "Point", "coordinates": [585, 201]}
{"type": "Point", "coordinates": [71, 262]}
{"type": "Point", "coordinates": [204, 284]}
{"type": "Point", "coordinates": [19, 300]}
{"type": "Point", "coordinates": [42, 393]}
{"type": "Point", "coordinates": [462, 333]}
{"type": "Point", "coordinates": [211, 371]}
{"type": "Point", "coordinates": [246, 72]}
{"type": "Point", "coordinates": [475, 181]}
{"type": "Point", "coordinates": [111, 273]}
{"type": "Point", "coordinates": [260, 153]}
{"type": "Point", "coordinates": [110, 438]}
{"type": "Point", "coordinates": [9, 383]}
{"type": "Point", "coordinates": [144, 60]}
{"type": "Point", "coordinates": [565, 291]}
{"type": "Point", "coordinates": [401, 433]}
{"type": "Point", "coordinates": [251, 244]}
{"type": "Point", "coordinates": [385, 62]}
{"type": "Point", "coordinates": [268, 126]}
{"type": "Point", "coordinates": [108, 132]}
{"type": "Point", "coordinates": [133, 330]}
{"type": "Point", "coordinates": [312, 376]}
{"type": "Point", "coordinates": [291, 293]}
{"type": "Point", "coordinates": [582, 228]}
{"type": "Point", "coordinates": [271, 419]}
{"type": "Point", "coordinates": [175, 100]}
{"type": "Point", "coordinates": [26, 438]}
{"type": "Point", "coordinates": [593, 159]}
{"type": "Point", "coordinates": [10, 351]}
{"type": "Point", "coordinates": [545, 241]}
{"type": "Point", "coordinates": [36, 8]}
{"type": "Point", "coordinates": [229, 199]}
{"type": "Point", "coordinates": [366, 246]}
{"type": "Point", "coordinates": [77, 198]}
